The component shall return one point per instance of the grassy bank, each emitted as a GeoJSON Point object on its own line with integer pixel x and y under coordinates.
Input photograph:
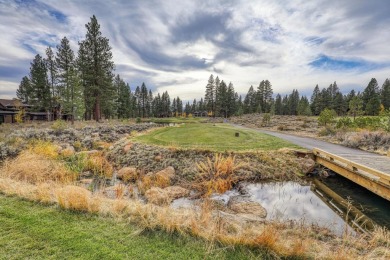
{"type": "Point", "coordinates": [31, 230]}
{"type": "Point", "coordinates": [217, 137]}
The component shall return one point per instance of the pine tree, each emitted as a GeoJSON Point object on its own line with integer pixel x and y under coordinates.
{"type": "Point", "coordinates": [385, 94]}
{"type": "Point", "coordinates": [210, 94]}
{"type": "Point", "coordinates": [64, 67]}
{"type": "Point", "coordinates": [278, 105]}
{"type": "Point", "coordinates": [123, 102]}
{"type": "Point", "coordinates": [315, 101]}
{"type": "Point", "coordinates": [97, 69]}
{"type": "Point", "coordinates": [260, 102]}
{"type": "Point", "coordinates": [52, 74]}
{"type": "Point", "coordinates": [267, 96]}
{"type": "Point", "coordinates": [355, 106]}
{"type": "Point", "coordinates": [371, 99]}
{"type": "Point", "coordinates": [24, 90]}
{"type": "Point", "coordinates": [40, 88]}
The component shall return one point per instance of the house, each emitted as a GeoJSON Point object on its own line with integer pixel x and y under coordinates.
{"type": "Point", "coordinates": [8, 110]}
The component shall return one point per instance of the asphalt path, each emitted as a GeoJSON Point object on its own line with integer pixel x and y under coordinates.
{"type": "Point", "coordinates": [373, 160]}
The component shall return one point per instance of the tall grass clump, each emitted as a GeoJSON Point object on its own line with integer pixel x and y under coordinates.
{"type": "Point", "coordinates": [38, 164]}
{"type": "Point", "coordinates": [217, 175]}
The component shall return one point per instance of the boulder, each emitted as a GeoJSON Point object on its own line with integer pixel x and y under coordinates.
{"type": "Point", "coordinates": [127, 174]}
{"type": "Point", "coordinates": [68, 151]}
{"type": "Point", "coordinates": [157, 196]}
{"type": "Point", "coordinates": [165, 196]}
{"type": "Point", "coordinates": [115, 192]}
{"type": "Point", "coordinates": [307, 165]}
{"type": "Point", "coordinates": [243, 205]}
{"type": "Point", "coordinates": [175, 192]}
{"type": "Point", "coordinates": [127, 147]}
{"type": "Point", "coordinates": [165, 175]}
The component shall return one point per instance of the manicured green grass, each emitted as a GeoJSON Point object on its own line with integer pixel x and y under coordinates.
{"type": "Point", "coordinates": [219, 137]}
{"type": "Point", "coordinates": [33, 231]}
{"type": "Point", "coordinates": [176, 120]}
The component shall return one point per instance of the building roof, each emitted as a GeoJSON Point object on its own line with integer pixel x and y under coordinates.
{"type": "Point", "coordinates": [12, 103]}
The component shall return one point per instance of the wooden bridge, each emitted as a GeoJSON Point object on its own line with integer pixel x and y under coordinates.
{"type": "Point", "coordinates": [372, 171]}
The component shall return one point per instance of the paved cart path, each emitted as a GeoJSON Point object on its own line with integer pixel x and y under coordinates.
{"type": "Point", "coordinates": [372, 160]}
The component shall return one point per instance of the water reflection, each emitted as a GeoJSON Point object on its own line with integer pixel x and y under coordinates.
{"type": "Point", "coordinates": [292, 201]}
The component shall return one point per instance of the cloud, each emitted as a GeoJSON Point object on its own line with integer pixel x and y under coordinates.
{"type": "Point", "coordinates": [175, 46]}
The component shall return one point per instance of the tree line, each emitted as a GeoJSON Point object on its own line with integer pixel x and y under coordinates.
{"type": "Point", "coordinates": [84, 85]}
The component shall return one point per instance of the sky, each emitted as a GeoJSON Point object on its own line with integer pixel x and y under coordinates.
{"type": "Point", "coordinates": [175, 45]}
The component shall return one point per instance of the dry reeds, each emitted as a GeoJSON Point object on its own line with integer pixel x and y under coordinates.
{"type": "Point", "coordinates": [279, 239]}
{"type": "Point", "coordinates": [36, 168]}
{"type": "Point", "coordinates": [217, 175]}
{"type": "Point", "coordinates": [98, 165]}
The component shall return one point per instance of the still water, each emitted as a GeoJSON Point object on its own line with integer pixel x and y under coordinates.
{"type": "Point", "coordinates": [335, 203]}
{"type": "Point", "coordinates": [293, 201]}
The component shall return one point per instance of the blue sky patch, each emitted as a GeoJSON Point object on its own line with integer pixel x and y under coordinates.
{"type": "Point", "coordinates": [58, 15]}
{"type": "Point", "coordinates": [328, 63]}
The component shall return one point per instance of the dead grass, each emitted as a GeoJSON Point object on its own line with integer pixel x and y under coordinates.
{"type": "Point", "coordinates": [45, 149]}
{"type": "Point", "coordinates": [280, 239]}
{"type": "Point", "coordinates": [217, 175]}
{"type": "Point", "coordinates": [36, 168]}
{"type": "Point", "coordinates": [98, 165]}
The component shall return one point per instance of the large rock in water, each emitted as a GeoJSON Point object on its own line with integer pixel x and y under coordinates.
{"type": "Point", "coordinates": [160, 196]}
{"type": "Point", "coordinates": [176, 192]}
{"type": "Point", "coordinates": [127, 174]}
{"type": "Point", "coordinates": [157, 196]}
{"type": "Point", "coordinates": [243, 205]}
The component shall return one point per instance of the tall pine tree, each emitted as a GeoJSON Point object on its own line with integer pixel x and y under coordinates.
{"type": "Point", "coordinates": [97, 70]}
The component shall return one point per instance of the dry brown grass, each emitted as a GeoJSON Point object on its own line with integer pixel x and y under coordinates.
{"type": "Point", "coordinates": [280, 239]}
{"type": "Point", "coordinates": [217, 175]}
{"type": "Point", "coordinates": [99, 165]}
{"type": "Point", "coordinates": [45, 149]}
{"type": "Point", "coordinates": [36, 168]}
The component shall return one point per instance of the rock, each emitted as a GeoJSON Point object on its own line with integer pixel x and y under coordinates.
{"type": "Point", "coordinates": [175, 192]}
{"type": "Point", "coordinates": [88, 152]}
{"type": "Point", "coordinates": [157, 196]}
{"type": "Point", "coordinates": [158, 158]}
{"type": "Point", "coordinates": [115, 192]}
{"type": "Point", "coordinates": [127, 174]}
{"type": "Point", "coordinates": [68, 151]}
{"type": "Point", "coordinates": [86, 181]}
{"type": "Point", "coordinates": [127, 147]}
{"type": "Point", "coordinates": [307, 165]}
{"type": "Point", "coordinates": [243, 205]}
{"type": "Point", "coordinates": [96, 134]}
{"type": "Point", "coordinates": [166, 175]}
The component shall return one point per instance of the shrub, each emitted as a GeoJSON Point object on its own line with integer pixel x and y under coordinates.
{"type": "Point", "coordinates": [218, 175]}
{"type": "Point", "coordinates": [59, 125]}
{"type": "Point", "coordinates": [44, 148]}
{"type": "Point", "coordinates": [138, 120]}
{"type": "Point", "coordinates": [36, 168]}
{"type": "Point", "coordinates": [266, 119]}
{"type": "Point", "coordinates": [344, 122]}
{"type": "Point", "coordinates": [326, 116]}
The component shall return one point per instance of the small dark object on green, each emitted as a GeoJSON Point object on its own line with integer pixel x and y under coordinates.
{"type": "Point", "coordinates": [237, 134]}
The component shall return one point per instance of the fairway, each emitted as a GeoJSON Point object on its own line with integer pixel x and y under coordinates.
{"type": "Point", "coordinates": [216, 137]}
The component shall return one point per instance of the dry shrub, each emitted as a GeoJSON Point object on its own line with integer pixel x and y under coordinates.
{"type": "Point", "coordinates": [217, 175]}
{"type": "Point", "coordinates": [73, 198]}
{"type": "Point", "coordinates": [36, 168]}
{"type": "Point", "coordinates": [120, 191]}
{"type": "Point", "coordinates": [99, 165]}
{"type": "Point", "coordinates": [280, 239]}
{"type": "Point", "coordinates": [45, 148]}
{"type": "Point", "coordinates": [145, 183]}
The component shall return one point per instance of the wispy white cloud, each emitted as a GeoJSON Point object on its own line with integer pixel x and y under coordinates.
{"type": "Point", "coordinates": [175, 46]}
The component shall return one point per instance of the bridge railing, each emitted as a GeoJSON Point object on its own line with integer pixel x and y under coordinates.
{"type": "Point", "coordinates": [365, 171]}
